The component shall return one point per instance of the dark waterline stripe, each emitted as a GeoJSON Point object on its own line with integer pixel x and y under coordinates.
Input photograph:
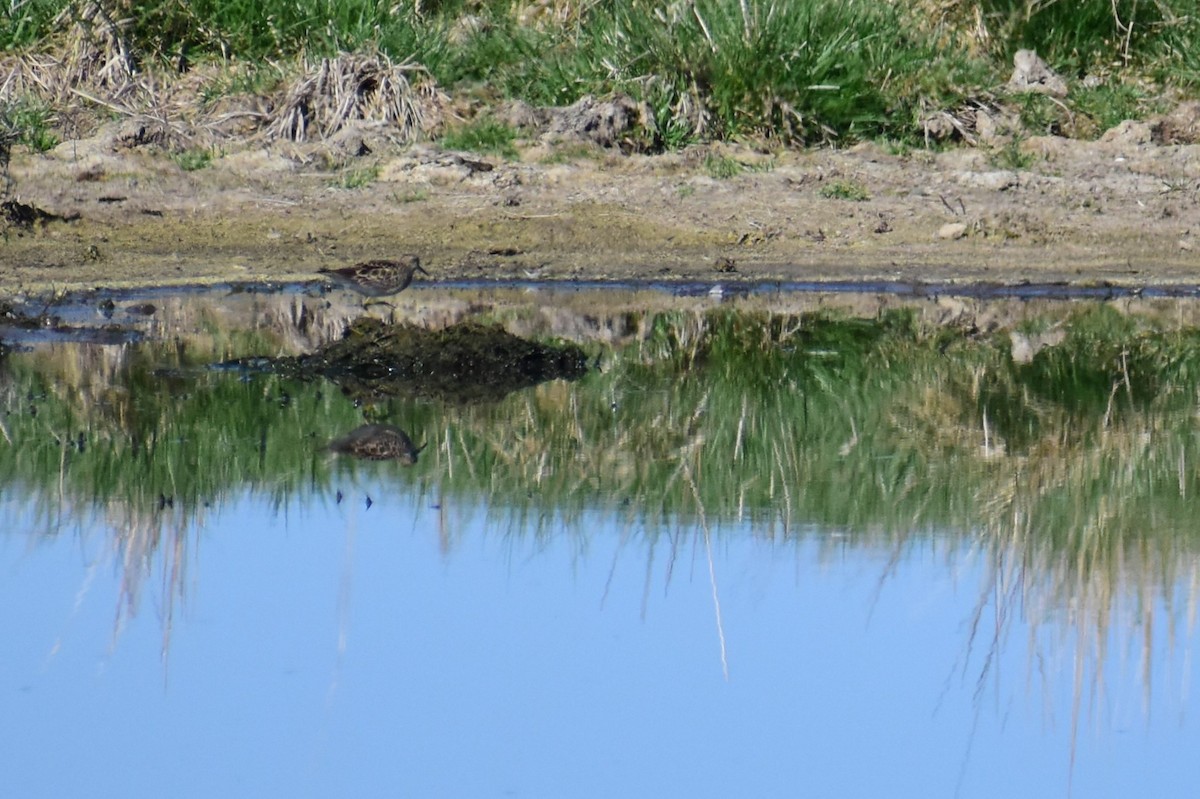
{"type": "Point", "coordinates": [700, 288]}
{"type": "Point", "coordinates": [689, 288]}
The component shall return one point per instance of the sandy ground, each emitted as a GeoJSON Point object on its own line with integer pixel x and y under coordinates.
{"type": "Point", "coordinates": [1118, 211]}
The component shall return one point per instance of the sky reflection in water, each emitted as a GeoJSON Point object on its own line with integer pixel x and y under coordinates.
{"type": "Point", "coordinates": [331, 650]}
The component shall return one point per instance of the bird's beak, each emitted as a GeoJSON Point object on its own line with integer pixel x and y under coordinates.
{"type": "Point", "coordinates": [421, 270]}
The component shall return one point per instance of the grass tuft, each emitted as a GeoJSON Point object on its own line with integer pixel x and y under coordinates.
{"type": "Point", "coordinates": [357, 87]}
{"type": "Point", "coordinates": [29, 122]}
{"type": "Point", "coordinates": [851, 190]}
{"type": "Point", "coordinates": [722, 167]}
{"type": "Point", "coordinates": [192, 160]}
{"type": "Point", "coordinates": [1012, 156]}
{"type": "Point", "coordinates": [410, 196]}
{"type": "Point", "coordinates": [359, 177]}
{"type": "Point", "coordinates": [484, 136]}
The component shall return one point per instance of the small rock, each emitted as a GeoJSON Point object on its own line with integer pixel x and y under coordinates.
{"type": "Point", "coordinates": [952, 230]}
{"type": "Point", "coordinates": [1130, 132]}
{"type": "Point", "coordinates": [1181, 126]}
{"type": "Point", "coordinates": [521, 115]}
{"type": "Point", "coordinates": [255, 162]}
{"type": "Point", "coordinates": [986, 127]}
{"type": "Point", "coordinates": [992, 181]}
{"type": "Point", "coordinates": [602, 122]}
{"type": "Point", "coordinates": [1032, 74]}
{"type": "Point", "coordinates": [939, 126]}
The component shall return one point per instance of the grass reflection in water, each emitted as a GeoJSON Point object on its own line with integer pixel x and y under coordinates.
{"type": "Point", "coordinates": [1062, 446]}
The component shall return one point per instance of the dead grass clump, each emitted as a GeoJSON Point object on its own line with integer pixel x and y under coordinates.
{"type": "Point", "coordinates": [27, 75]}
{"type": "Point", "coordinates": [98, 66]}
{"type": "Point", "coordinates": [91, 58]}
{"type": "Point", "coordinates": [98, 53]}
{"type": "Point", "coordinates": [359, 87]}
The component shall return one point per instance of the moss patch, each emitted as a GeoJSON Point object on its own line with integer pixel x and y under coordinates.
{"type": "Point", "coordinates": [464, 363]}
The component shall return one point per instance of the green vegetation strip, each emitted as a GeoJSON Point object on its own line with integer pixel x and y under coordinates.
{"type": "Point", "coordinates": [804, 71]}
{"type": "Point", "coordinates": [792, 421]}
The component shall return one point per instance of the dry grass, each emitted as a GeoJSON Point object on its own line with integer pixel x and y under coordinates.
{"type": "Point", "coordinates": [93, 53]}
{"type": "Point", "coordinates": [359, 87]}
{"type": "Point", "coordinates": [99, 53]}
{"type": "Point", "coordinates": [96, 67]}
{"type": "Point", "coordinates": [93, 67]}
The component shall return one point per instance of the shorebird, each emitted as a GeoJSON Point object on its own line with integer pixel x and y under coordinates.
{"type": "Point", "coordinates": [377, 278]}
{"type": "Point", "coordinates": [377, 442]}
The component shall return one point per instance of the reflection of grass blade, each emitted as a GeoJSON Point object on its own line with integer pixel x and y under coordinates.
{"type": "Point", "coordinates": [712, 572]}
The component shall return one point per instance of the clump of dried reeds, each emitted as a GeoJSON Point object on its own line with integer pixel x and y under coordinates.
{"type": "Point", "coordinates": [98, 63]}
{"type": "Point", "coordinates": [93, 59]}
{"type": "Point", "coordinates": [357, 86]}
{"type": "Point", "coordinates": [95, 53]}
{"type": "Point", "coordinates": [99, 53]}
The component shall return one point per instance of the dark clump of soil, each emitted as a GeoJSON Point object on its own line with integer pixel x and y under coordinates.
{"type": "Point", "coordinates": [464, 363]}
{"type": "Point", "coordinates": [15, 212]}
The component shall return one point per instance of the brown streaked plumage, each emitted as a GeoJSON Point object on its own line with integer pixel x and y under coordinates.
{"type": "Point", "coordinates": [377, 442]}
{"type": "Point", "coordinates": [377, 278]}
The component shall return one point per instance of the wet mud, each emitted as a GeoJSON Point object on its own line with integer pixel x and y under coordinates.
{"type": "Point", "coordinates": [1081, 213]}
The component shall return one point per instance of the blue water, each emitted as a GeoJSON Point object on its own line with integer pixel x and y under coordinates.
{"type": "Point", "coordinates": [410, 650]}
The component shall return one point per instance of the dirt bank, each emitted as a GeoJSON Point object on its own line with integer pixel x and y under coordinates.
{"type": "Point", "coordinates": [1120, 210]}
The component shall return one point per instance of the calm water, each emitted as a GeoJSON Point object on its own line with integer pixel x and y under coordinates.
{"type": "Point", "coordinates": [533, 610]}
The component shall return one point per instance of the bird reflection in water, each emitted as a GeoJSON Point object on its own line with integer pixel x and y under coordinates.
{"type": "Point", "coordinates": [377, 442]}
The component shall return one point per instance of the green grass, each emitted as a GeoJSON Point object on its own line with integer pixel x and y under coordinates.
{"type": "Point", "coordinates": [1042, 115]}
{"type": "Point", "coordinates": [808, 71]}
{"type": "Point", "coordinates": [1012, 156]}
{"type": "Point", "coordinates": [1078, 36]}
{"type": "Point", "coordinates": [163, 29]}
{"type": "Point", "coordinates": [486, 137]}
{"type": "Point", "coordinates": [410, 196]}
{"type": "Point", "coordinates": [242, 78]}
{"type": "Point", "coordinates": [193, 160]}
{"type": "Point", "coordinates": [722, 167]}
{"type": "Point", "coordinates": [29, 122]}
{"type": "Point", "coordinates": [752, 71]}
{"type": "Point", "coordinates": [567, 153]}
{"type": "Point", "coordinates": [25, 24]}
{"type": "Point", "coordinates": [1107, 106]}
{"type": "Point", "coordinates": [359, 177]}
{"type": "Point", "coordinates": [851, 190]}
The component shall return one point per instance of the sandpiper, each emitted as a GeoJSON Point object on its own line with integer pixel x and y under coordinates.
{"type": "Point", "coordinates": [377, 278]}
{"type": "Point", "coordinates": [377, 442]}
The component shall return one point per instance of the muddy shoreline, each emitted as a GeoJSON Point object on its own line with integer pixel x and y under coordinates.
{"type": "Point", "coordinates": [1120, 212]}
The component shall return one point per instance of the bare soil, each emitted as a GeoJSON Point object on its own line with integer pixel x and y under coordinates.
{"type": "Point", "coordinates": [1123, 211]}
